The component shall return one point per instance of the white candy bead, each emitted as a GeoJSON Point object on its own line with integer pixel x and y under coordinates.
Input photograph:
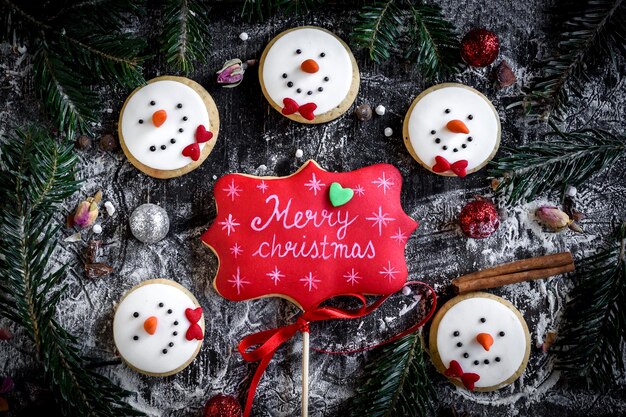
{"type": "Point", "coordinates": [406, 290]}
{"type": "Point", "coordinates": [243, 36]}
{"type": "Point", "coordinates": [97, 229]}
{"type": "Point", "coordinates": [571, 191]}
{"type": "Point", "coordinates": [388, 131]}
{"type": "Point", "coordinates": [109, 208]}
{"type": "Point", "coordinates": [299, 153]}
{"type": "Point", "coordinates": [380, 110]}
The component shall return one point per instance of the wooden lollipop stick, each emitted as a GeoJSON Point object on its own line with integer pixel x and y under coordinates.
{"type": "Point", "coordinates": [305, 374]}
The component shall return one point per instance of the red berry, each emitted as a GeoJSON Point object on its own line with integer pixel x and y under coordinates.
{"type": "Point", "coordinates": [480, 47]}
{"type": "Point", "coordinates": [222, 406]}
{"type": "Point", "coordinates": [479, 219]}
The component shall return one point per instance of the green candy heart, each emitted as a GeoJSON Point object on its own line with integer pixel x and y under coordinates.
{"type": "Point", "coordinates": [339, 195]}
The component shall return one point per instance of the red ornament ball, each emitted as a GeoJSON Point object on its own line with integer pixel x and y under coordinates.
{"type": "Point", "coordinates": [480, 47]}
{"type": "Point", "coordinates": [222, 406]}
{"type": "Point", "coordinates": [479, 219]}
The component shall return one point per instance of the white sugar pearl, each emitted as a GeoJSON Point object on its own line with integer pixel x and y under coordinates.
{"type": "Point", "coordinates": [299, 153]}
{"type": "Point", "coordinates": [571, 191]}
{"type": "Point", "coordinates": [214, 177]}
{"type": "Point", "coordinates": [406, 290]}
{"type": "Point", "coordinates": [243, 36]}
{"type": "Point", "coordinates": [97, 229]}
{"type": "Point", "coordinates": [388, 131]}
{"type": "Point", "coordinates": [109, 208]}
{"type": "Point", "coordinates": [380, 110]}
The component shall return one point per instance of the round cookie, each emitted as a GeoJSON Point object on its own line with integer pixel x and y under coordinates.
{"type": "Point", "coordinates": [480, 341]}
{"type": "Point", "coordinates": [309, 75]}
{"type": "Point", "coordinates": [158, 327]}
{"type": "Point", "coordinates": [452, 129]}
{"type": "Point", "coordinates": [168, 127]}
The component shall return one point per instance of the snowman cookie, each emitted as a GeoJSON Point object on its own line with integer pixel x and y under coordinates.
{"type": "Point", "coordinates": [158, 327]}
{"type": "Point", "coordinates": [168, 127]}
{"type": "Point", "coordinates": [480, 341]}
{"type": "Point", "coordinates": [452, 129]}
{"type": "Point", "coordinates": [309, 75]}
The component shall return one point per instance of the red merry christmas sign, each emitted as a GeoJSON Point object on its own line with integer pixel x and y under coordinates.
{"type": "Point", "coordinates": [310, 236]}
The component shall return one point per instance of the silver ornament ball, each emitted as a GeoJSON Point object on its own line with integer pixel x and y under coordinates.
{"type": "Point", "coordinates": [149, 223]}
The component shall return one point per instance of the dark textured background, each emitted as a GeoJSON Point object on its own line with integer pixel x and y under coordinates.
{"type": "Point", "coordinates": [255, 139]}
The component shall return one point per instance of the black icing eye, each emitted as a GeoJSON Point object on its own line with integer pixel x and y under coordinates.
{"type": "Point", "coordinates": [445, 148]}
{"type": "Point", "coordinates": [466, 355]}
{"type": "Point", "coordinates": [185, 118]}
{"type": "Point", "coordinates": [298, 51]}
{"type": "Point", "coordinates": [476, 362]}
{"type": "Point", "coordinates": [179, 106]}
{"type": "Point", "coordinates": [320, 89]}
{"type": "Point", "coordinates": [181, 130]}
{"type": "Point", "coordinates": [482, 319]}
{"type": "Point", "coordinates": [459, 344]}
{"type": "Point", "coordinates": [469, 139]}
{"type": "Point", "coordinates": [161, 304]}
{"type": "Point", "coordinates": [322, 55]}
{"type": "Point", "coordinates": [152, 103]}
{"type": "Point", "coordinates": [497, 359]}
{"type": "Point", "coordinates": [163, 147]}
{"type": "Point", "coordinates": [470, 117]}
{"type": "Point", "coordinates": [153, 148]}
{"type": "Point", "coordinates": [135, 337]}
{"type": "Point", "coordinates": [135, 314]}
{"type": "Point", "coordinates": [326, 78]}
{"type": "Point", "coordinates": [299, 90]}
{"type": "Point", "coordinates": [169, 311]}
{"type": "Point", "coordinates": [140, 121]}
{"type": "Point", "coordinates": [447, 110]}
{"type": "Point", "coordinates": [284, 75]}
{"type": "Point", "coordinates": [437, 140]}
{"type": "Point", "coordinates": [172, 141]}
{"type": "Point", "coordinates": [501, 334]}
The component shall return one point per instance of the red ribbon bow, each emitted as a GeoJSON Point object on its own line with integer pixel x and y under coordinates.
{"type": "Point", "coordinates": [306, 110]}
{"type": "Point", "coordinates": [269, 341]}
{"type": "Point", "coordinates": [467, 378]}
{"type": "Point", "coordinates": [193, 150]}
{"type": "Point", "coordinates": [458, 167]}
{"type": "Point", "coordinates": [194, 331]}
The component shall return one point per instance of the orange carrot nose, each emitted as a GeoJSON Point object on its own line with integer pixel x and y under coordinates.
{"type": "Point", "coordinates": [159, 117]}
{"type": "Point", "coordinates": [457, 126]}
{"type": "Point", "coordinates": [485, 339]}
{"type": "Point", "coordinates": [310, 66]}
{"type": "Point", "coordinates": [150, 324]}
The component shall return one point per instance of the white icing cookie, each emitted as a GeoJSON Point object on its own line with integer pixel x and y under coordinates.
{"type": "Point", "coordinates": [158, 327]}
{"type": "Point", "coordinates": [452, 129]}
{"type": "Point", "coordinates": [309, 74]}
{"type": "Point", "coordinates": [485, 336]}
{"type": "Point", "coordinates": [168, 127]}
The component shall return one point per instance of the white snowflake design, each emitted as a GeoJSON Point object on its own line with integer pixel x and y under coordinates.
{"type": "Point", "coordinates": [352, 277]}
{"type": "Point", "coordinates": [262, 186]}
{"type": "Point", "coordinates": [384, 182]}
{"type": "Point", "coordinates": [389, 271]}
{"type": "Point", "coordinates": [238, 281]}
{"type": "Point", "coordinates": [314, 184]}
{"type": "Point", "coordinates": [399, 237]}
{"type": "Point", "coordinates": [232, 190]}
{"type": "Point", "coordinates": [236, 250]}
{"type": "Point", "coordinates": [229, 224]}
{"type": "Point", "coordinates": [275, 275]}
{"type": "Point", "coordinates": [359, 190]}
{"type": "Point", "coordinates": [380, 219]}
{"type": "Point", "coordinates": [310, 281]}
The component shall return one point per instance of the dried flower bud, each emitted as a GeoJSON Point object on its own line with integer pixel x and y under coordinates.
{"type": "Point", "coordinates": [553, 218]}
{"type": "Point", "coordinates": [231, 74]}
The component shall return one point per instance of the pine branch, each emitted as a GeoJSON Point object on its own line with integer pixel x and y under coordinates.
{"type": "Point", "coordinates": [591, 342]}
{"type": "Point", "coordinates": [598, 31]}
{"type": "Point", "coordinates": [570, 159]}
{"type": "Point", "coordinates": [187, 34]}
{"type": "Point", "coordinates": [263, 9]}
{"type": "Point", "coordinates": [434, 44]}
{"type": "Point", "coordinates": [36, 175]}
{"type": "Point", "coordinates": [397, 383]}
{"type": "Point", "coordinates": [377, 29]}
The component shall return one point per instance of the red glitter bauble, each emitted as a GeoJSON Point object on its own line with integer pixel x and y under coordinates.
{"type": "Point", "coordinates": [480, 47]}
{"type": "Point", "coordinates": [479, 219]}
{"type": "Point", "coordinates": [222, 406]}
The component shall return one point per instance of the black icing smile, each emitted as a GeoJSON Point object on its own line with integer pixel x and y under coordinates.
{"type": "Point", "coordinates": [438, 140]}
{"type": "Point", "coordinates": [319, 89]}
{"type": "Point", "coordinates": [173, 324]}
{"type": "Point", "coordinates": [171, 141]}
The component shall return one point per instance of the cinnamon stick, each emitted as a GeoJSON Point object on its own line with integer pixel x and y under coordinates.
{"type": "Point", "coordinates": [468, 285]}
{"type": "Point", "coordinates": [540, 262]}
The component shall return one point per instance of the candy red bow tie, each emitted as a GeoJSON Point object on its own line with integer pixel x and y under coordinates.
{"type": "Point", "coordinates": [305, 110]}
{"type": "Point", "coordinates": [467, 378]}
{"type": "Point", "coordinates": [194, 331]}
{"type": "Point", "coordinates": [193, 150]}
{"type": "Point", "coordinates": [442, 165]}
